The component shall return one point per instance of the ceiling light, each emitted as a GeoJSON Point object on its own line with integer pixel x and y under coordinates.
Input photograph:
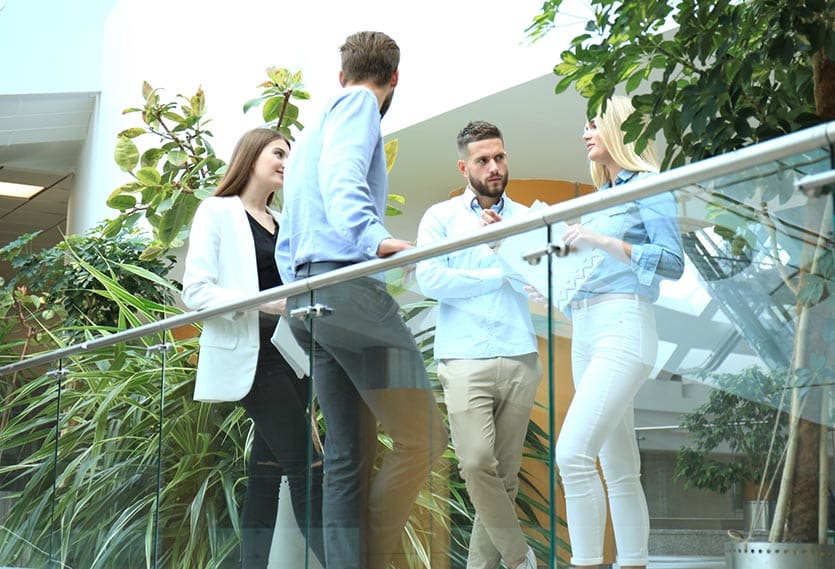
{"type": "Point", "coordinates": [24, 191]}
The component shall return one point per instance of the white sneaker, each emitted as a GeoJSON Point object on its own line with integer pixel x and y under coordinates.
{"type": "Point", "coordinates": [530, 560]}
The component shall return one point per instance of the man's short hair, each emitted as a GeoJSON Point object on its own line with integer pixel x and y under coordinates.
{"type": "Point", "coordinates": [475, 131]}
{"type": "Point", "coordinates": [369, 56]}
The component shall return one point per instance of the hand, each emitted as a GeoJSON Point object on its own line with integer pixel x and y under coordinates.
{"type": "Point", "coordinates": [390, 246]}
{"type": "Point", "coordinates": [579, 237]}
{"type": "Point", "coordinates": [489, 216]}
{"type": "Point", "coordinates": [278, 307]}
{"type": "Point", "coordinates": [534, 295]}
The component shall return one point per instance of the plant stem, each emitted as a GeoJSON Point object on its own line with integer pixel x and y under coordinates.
{"type": "Point", "coordinates": [823, 479]}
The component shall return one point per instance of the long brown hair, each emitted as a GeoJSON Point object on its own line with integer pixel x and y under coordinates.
{"type": "Point", "coordinates": [244, 155]}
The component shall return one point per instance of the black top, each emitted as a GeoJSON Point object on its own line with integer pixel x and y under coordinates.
{"type": "Point", "coordinates": [268, 276]}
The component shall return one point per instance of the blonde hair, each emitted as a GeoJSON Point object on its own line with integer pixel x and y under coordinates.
{"type": "Point", "coordinates": [608, 124]}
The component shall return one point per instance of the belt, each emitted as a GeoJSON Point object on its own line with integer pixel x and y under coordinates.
{"type": "Point", "coordinates": [591, 301]}
{"type": "Point", "coordinates": [319, 267]}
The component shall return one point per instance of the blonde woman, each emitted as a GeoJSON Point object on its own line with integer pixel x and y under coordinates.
{"type": "Point", "coordinates": [614, 345]}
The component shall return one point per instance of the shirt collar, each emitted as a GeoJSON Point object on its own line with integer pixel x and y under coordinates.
{"type": "Point", "coordinates": [470, 198]}
{"type": "Point", "coordinates": [622, 177]}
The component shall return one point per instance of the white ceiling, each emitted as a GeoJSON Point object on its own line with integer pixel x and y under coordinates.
{"type": "Point", "coordinates": [41, 137]}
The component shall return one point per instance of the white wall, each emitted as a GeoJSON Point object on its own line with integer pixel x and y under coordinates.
{"type": "Point", "coordinates": [51, 46]}
{"type": "Point", "coordinates": [452, 53]}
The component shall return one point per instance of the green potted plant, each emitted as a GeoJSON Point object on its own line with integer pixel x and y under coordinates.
{"type": "Point", "coordinates": [742, 417]}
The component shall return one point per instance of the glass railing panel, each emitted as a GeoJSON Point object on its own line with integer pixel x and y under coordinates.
{"type": "Point", "coordinates": [744, 340]}
{"type": "Point", "coordinates": [85, 440]}
{"type": "Point", "coordinates": [112, 463]}
{"type": "Point", "coordinates": [281, 508]}
{"type": "Point", "coordinates": [110, 452]}
{"type": "Point", "coordinates": [763, 254]}
{"type": "Point", "coordinates": [29, 535]}
{"type": "Point", "coordinates": [383, 347]}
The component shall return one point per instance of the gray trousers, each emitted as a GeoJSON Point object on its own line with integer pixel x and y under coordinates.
{"type": "Point", "coordinates": [367, 368]}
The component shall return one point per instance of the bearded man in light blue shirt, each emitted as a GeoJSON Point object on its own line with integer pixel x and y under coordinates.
{"type": "Point", "coordinates": [485, 346]}
{"type": "Point", "coordinates": [366, 365]}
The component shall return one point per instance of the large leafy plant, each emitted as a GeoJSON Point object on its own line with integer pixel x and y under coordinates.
{"type": "Point", "coordinates": [728, 74]}
{"type": "Point", "coordinates": [53, 285]}
{"type": "Point", "coordinates": [170, 179]}
{"type": "Point", "coordinates": [112, 447]}
{"type": "Point", "coordinates": [723, 74]}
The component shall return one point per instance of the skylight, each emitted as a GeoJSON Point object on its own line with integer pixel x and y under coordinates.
{"type": "Point", "coordinates": [23, 191]}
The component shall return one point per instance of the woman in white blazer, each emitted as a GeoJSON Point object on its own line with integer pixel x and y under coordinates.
{"type": "Point", "coordinates": [231, 256]}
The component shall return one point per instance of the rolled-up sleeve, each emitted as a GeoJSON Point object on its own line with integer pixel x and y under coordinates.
{"type": "Point", "coordinates": [662, 253]}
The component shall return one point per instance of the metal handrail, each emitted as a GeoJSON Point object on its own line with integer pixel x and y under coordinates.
{"type": "Point", "coordinates": [694, 173]}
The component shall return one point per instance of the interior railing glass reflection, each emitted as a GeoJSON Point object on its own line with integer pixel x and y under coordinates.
{"type": "Point", "coordinates": [106, 461]}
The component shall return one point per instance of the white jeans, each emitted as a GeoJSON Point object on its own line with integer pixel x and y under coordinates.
{"type": "Point", "coordinates": [613, 350]}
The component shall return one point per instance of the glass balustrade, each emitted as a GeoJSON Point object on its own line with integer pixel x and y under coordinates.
{"type": "Point", "coordinates": [107, 461]}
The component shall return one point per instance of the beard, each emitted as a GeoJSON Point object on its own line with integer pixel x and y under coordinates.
{"type": "Point", "coordinates": [386, 103]}
{"type": "Point", "coordinates": [482, 189]}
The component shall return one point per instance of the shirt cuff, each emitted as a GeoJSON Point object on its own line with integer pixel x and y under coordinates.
{"type": "Point", "coordinates": [372, 238]}
{"type": "Point", "coordinates": [644, 262]}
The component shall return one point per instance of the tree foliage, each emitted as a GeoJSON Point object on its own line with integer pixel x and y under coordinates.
{"type": "Point", "coordinates": [172, 176]}
{"type": "Point", "coordinates": [742, 413]}
{"type": "Point", "coordinates": [55, 285]}
{"type": "Point", "coordinates": [729, 74]}
{"type": "Point", "coordinates": [278, 93]}
{"type": "Point", "coordinates": [169, 179]}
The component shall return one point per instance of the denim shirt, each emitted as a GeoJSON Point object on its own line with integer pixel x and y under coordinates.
{"type": "Point", "coordinates": [336, 187]}
{"type": "Point", "coordinates": [650, 225]}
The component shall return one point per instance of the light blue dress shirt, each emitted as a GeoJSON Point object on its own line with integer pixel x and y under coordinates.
{"type": "Point", "coordinates": [482, 309]}
{"type": "Point", "coordinates": [335, 187]}
{"type": "Point", "coordinates": [650, 225]}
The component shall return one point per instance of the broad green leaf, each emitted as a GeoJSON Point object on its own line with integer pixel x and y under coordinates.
{"type": "Point", "coordinates": [133, 132]}
{"type": "Point", "coordinates": [126, 154]}
{"type": "Point", "coordinates": [291, 113]}
{"type": "Point", "coordinates": [271, 109]}
{"type": "Point", "coordinates": [254, 103]}
{"type": "Point", "coordinates": [177, 157]}
{"type": "Point", "coordinates": [151, 252]}
{"type": "Point", "coordinates": [125, 188]}
{"type": "Point", "coordinates": [176, 117]}
{"type": "Point", "coordinates": [151, 156]}
{"type": "Point", "coordinates": [121, 202]}
{"type": "Point", "coordinates": [112, 228]}
{"type": "Point", "coordinates": [148, 176]}
{"type": "Point", "coordinates": [203, 193]}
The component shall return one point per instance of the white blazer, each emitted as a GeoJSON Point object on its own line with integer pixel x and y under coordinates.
{"type": "Point", "coordinates": [221, 268]}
